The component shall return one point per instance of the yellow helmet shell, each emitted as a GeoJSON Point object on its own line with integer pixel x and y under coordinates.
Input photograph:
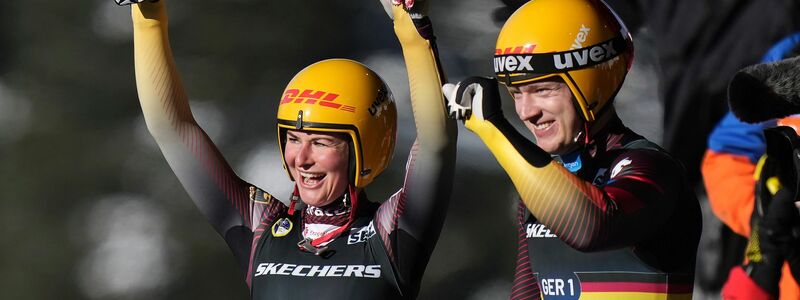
{"type": "Point", "coordinates": [582, 41]}
{"type": "Point", "coordinates": [343, 96]}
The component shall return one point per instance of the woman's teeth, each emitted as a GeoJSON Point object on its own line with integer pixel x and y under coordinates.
{"type": "Point", "coordinates": [543, 126]}
{"type": "Point", "coordinates": [311, 178]}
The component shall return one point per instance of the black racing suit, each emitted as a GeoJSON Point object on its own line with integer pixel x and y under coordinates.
{"type": "Point", "coordinates": [358, 266]}
{"type": "Point", "coordinates": [649, 255]}
{"type": "Point", "coordinates": [384, 253]}
{"type": "Point", "coordinates": [615, 220]}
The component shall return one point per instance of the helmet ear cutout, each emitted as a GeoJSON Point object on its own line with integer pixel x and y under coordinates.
{"type": "Point", "coordinates": [344, 96]}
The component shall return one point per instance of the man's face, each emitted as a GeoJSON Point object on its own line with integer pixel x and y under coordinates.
{"type": "Point", "coordinates": [546, 108]}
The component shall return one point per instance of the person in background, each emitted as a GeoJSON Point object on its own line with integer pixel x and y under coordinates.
{"type": "Point", "coordinates": [738, 179]}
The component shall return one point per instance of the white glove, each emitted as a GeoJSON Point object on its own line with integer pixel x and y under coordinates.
{"type": "Point", "coordinates": [129, 2]}
{"type": "Point", "coordinates": [459, 107]}
{"type": "Point", "coordinates": [465, 100]}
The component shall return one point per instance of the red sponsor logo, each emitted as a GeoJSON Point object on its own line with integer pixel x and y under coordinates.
{"type": "Point", "coordinates": [527, 49]}
{"type": "Point", "coordinates": [315, 98]}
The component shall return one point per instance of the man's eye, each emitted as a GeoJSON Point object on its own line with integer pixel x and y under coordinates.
{"type": "Point", "coordinates": [546, 90]}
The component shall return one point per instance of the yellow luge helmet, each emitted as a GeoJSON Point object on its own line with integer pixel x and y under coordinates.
{"type": "Point", "coordinates": [344, 96]}
{"type": "Point", "coordinates": [582, 41]}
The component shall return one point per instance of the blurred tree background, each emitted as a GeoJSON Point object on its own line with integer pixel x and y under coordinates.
{"type": "Point", "coordinates": [90, 210]}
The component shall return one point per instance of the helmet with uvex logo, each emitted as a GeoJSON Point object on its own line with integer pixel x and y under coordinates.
{"type": "Point", "coordinates": [343, 96]}
{"type": "Point", "coordinates": [582, 41]}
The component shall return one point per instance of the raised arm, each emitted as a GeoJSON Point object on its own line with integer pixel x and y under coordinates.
{"type": "Point", "coordinates": [220, 195]}
{"type": "Point", "coordinates": [411, 221]}
{"type": "Point", "coordinates": [635, 203]}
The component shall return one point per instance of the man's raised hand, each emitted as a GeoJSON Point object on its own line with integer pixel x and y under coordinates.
{"type": "Point", "coordinates": [474, 97]}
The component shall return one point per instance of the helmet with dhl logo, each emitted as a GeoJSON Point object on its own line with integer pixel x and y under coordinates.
{"type": "Point", "coordinates": [582, 41]}
{"type": "Point", "coordinates": [343, 96]}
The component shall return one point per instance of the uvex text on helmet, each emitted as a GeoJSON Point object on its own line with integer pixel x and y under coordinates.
{"type": "Point", "coordinates": [582, 41]}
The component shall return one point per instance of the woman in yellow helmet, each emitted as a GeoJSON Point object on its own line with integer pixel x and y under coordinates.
{"type": "Point", "coordinates": [337, 127]}
{"type": "Point", "coordinates": [605, 214]}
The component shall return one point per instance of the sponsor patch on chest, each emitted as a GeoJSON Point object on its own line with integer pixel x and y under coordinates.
{"type": "Point", "coordinates": [281, 269]}
{"type": "Point", "coordinates": [360, 234]}
{"type": "Point", "coordinates": [536, 230]}
{"type": "Point", "coordinates": [620, 165]}
{"type": "Point", "coordinates": [282, 227]}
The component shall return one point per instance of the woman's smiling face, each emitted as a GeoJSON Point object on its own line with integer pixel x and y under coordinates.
{"type": "Point", "coordinates": [318, 163]}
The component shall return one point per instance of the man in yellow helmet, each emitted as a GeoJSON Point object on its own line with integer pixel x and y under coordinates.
{"type": "Point", "coordinates": [604, 213]}
{"type": "Point", "coordinates": [336, 127]}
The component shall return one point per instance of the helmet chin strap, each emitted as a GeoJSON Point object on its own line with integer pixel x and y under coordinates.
{"type": "Point", "coordinates": [583, 134]}
{"type": "Point", "coordinates": [577, 136]}
{"type": "Point", "coordinates": [317, 246]}
{"type": "Point", "coordinates": [294, 200]}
